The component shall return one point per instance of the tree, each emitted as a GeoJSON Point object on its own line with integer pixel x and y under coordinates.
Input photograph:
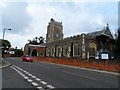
{"type": "Point", "coordinates": [5, 43]}
{"type": "Point", "coordinates": [41, 40]}
{"type": "Point", "coordinates": [36, 40]}
{"type": "Point", "coordinates": [29, 41]}
{"type": "Point", "coordinates": [117, 43]}
{"type": "Point", "coordinates": [18, 52]}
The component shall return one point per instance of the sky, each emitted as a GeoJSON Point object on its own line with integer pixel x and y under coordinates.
{"type": "Point", "coordinates": [30, 18]}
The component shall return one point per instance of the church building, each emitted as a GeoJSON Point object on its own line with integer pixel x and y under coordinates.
{"type": "Point", "coordinates": [54, 31]}
{"type": "Point", "coordinates": [86, 45]}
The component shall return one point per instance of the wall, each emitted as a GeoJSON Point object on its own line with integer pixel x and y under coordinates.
{"type": "Point", "coordinates": [76, 46]}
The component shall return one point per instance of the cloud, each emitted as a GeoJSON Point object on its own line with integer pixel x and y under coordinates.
{"type": "Point", "coordinates": [30, 19]}
{"type": "Point", "coordinates": [16, 40]}
{"type": "Point", "coordinates": [15, 16]}
{"type": "Point", "coordinates": [77, 18]}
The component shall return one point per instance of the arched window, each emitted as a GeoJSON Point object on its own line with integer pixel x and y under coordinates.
{"type": "Point", "coordinates": [92, 48]}
{"type": "Point", "coordinates": [29, 50]}
{"type": "Point", "coordinates": [34, 52]}
{"type": "Point", "coordinates": [92, 44]}
{"type": "Point", "coordinates": [76, 50]}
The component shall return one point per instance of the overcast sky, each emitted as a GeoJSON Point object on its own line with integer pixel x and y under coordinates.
{"type": "Point", "coordinates": [30, 19]}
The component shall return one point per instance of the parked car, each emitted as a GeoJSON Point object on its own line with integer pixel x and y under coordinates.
{"type": "Point", "coordinates": [27, 58]}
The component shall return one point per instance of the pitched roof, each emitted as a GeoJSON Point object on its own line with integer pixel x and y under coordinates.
{"type": "Point", "coordinates": [40, 45]}
{"type": "Point", "coordinates": [105, 31]}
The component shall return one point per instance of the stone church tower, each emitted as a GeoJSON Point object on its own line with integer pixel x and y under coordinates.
{"type": "Point", "coordinates": [54, 31]}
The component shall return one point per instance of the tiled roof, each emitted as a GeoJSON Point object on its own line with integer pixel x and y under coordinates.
{"type": "Point", "coordinates": [105, 31]}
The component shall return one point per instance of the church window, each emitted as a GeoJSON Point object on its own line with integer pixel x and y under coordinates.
{"type": "Point", "coordinates": [83, 48]}
{"type": "Point", "coordinates": [76, 50]}
{"type": "Point", "coordinates": [65, 50]}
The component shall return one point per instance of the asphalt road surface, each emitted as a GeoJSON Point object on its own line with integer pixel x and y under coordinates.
{"type": "Point", "coordinates": [44, 76]}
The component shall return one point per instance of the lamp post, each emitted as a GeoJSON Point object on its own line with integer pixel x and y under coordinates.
{"type": "Point", "coordinates": [4, 31]}
{"type": "Point", "coordinates": [3, 37]}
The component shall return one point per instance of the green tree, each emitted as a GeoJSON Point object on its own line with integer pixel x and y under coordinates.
{"type": "Point", "coordinates": [41, 40]}
{"type": "Point", "coordinates": [36, 40]}
{"type": "Point", "coordinates": [117, 43]}
{"type": "Point", "coordinates": [5, 43]}
{"type": "Point", "coordinates": [18, 52]}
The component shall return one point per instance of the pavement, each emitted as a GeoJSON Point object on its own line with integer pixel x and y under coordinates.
{"type": "Point", "coordinates": [4, 63]}
{"type": "Point", "coordinates": [89, 69]}
{"type": "Point", "coordinates": [13, 80]}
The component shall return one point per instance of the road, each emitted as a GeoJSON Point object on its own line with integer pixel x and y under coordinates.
{"type": "Point", "coordinates": [42, 75]}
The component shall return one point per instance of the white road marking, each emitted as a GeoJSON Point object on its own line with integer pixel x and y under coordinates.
{"type": "Point", "coordinates": [16, 68]}
{"type": "Point", "coordinates": [33, 76]}
{"type": "Point", "coordinates": [35, 84]}
{"type": "Point", "coordinates": [38, 79]}
{"type": "Point", "coordinates": [23, 75]}
{"type": "Point", "coordinates": [29, 80]}
{"type": "Point", "coordinates": [43, 82]}
{"type": "Point", "coordinates": [12, 67]}
{"type": "Point", "coordinates": [26, 77]}
{"type": "Point", "coordinates": [27, 72]}
{"type": "Point", "coordinates": [30, 74]}
{"type": "Point", "coordinates": [24, 71]}
{"type": "Point", "coordinates": [20, 69]}
{"type": "Point", "coordinates": [40, 87]}
{"type": "Point", "coordinates": [50, 86]}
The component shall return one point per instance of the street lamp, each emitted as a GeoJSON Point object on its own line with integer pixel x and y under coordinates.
{"type": "Point", "coordinates": [4, 35]}
{"type": "Point", "coordinates": [4, 31]}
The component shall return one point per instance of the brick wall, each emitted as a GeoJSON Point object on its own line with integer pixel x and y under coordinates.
{"type": "Point", "coordinates": [94, 64]}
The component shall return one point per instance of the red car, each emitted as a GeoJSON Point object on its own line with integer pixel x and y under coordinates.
{"type": "Point", "coordinates": [27, 58]}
